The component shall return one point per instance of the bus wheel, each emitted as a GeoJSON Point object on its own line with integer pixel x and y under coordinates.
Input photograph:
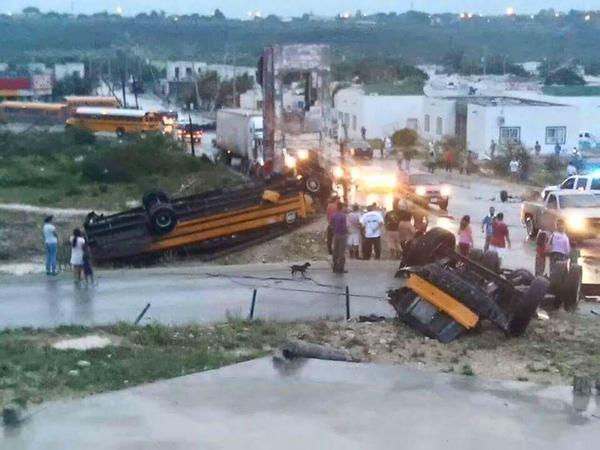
{"type": "Point", "coordinates": [120, 132]}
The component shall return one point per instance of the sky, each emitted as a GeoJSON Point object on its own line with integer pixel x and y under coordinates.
{"type": "Point", "coordinates": [240, 8]}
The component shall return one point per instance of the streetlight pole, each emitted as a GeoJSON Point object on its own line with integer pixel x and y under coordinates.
{"type": "Point", "coordinates": [192, 136]}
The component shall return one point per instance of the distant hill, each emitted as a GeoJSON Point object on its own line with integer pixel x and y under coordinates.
{"type": "Point", "coordinates": [416, 37]}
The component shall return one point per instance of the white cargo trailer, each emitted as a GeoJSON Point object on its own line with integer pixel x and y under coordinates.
{"type": "Point", "coordinates": [240, 132]}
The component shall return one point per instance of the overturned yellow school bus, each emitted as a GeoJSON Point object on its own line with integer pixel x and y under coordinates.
{"type": "Point", "coordinates": [206, 220]}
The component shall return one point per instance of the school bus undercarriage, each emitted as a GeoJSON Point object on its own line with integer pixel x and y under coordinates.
{"type": "Point", "coordinates": [219, 216]}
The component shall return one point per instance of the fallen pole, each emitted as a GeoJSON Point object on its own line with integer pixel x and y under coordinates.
{"type": "Point", "coordinates": [347, 303]}
{"type": "Point", "coordinates": [299, 349]}
{"type": "Point", "coordinates": [142, 314]}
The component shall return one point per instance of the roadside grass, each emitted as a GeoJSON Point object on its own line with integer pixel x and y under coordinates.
{"type": "Point", "coordinates": [32, 371]}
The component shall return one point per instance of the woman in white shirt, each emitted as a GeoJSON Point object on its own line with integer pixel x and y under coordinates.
{"type": "Point", "coordinates": [77, 249]}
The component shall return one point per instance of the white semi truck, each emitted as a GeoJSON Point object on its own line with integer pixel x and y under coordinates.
{"type": "Point", "coordinates": [240, 135]}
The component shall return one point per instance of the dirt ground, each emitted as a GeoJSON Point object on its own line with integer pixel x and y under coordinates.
{"type": "Point", "coordinates": [551, 352]}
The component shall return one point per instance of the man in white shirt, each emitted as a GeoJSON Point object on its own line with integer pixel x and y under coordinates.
{"type": "Point", "coordinates": [571, 169]}
{"type": "Point", "coordinates": [372, 224]}
{"type": "Point", "coordinates": [514, 169]}
{"type": "Point", "coordinates": [51, 242]}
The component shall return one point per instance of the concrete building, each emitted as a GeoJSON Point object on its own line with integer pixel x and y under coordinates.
{"type": "Point", "coordinates": [189, 70]}
{"type": "Point", "coordinates": [363, 106]}
{"type": "Point", "coordinates": [439, 118]}
{"type": "Point", "coordinates": [508, 120]}
{"type": "Point", "coordinates": [252, 99]}
{"type": "Point", "coordinates": [61, 71]}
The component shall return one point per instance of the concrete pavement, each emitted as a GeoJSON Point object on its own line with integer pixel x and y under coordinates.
{"type": "Point", "coordinates": [200, 294]}
{"type": "Point", "coordinates": [316, 405]}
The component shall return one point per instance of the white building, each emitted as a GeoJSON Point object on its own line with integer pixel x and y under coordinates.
{"type": "Point", "coordinates": [189, 70]}
{"type": "Point", "coordinates": [357, 107]}
{"type": "Point", "coordinates": [509, 120]}
{"type": "Point", "coordinates": [252, 99]}
{"type": "Point", "coordinates": [439, 118]}
{"type": "Point", "coordinates": [61, 71]}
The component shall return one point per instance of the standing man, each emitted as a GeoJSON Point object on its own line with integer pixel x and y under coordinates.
{"type": "Point", "coordinates": [387, 144]}
{"type": "Point", "coordinates": [331, 210]}
{"type": "Point", "coordinates": [51, 242]}
{"type": "Point", "coordinates": [557, 149]}
{"type": "Point", "coordinates": [492, 149]}
{"type": "Point", "coordinates": [340, 238]}
{"type": "Point", "coordinates": [363, 133]}
{"type": "Point", "coordinates": [487, 228]}
{"type": "Point", "coordinates": [500, 238]}
{"type": "Point", "coordinates": [513, 166]}
{"type": "Point", "coordinates": [571, 169]}
{"type": "Point", "coordinates": [392, 233]}
{"type": "Point", "coordinates": [372, 224]}
{"type": "Point", "coordinates": [354, 231]}
{"type": "Point", "coordinates": [537, 148]}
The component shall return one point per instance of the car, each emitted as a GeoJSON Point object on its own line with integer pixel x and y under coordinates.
{"type": "Point", "coordinates": [425, 189]}
{"type": "Point", "coordinates": [579, 210]}
{"type": "Point", "coordinates": [582, 183]}
{"type": "Point", "coordinates": [360, 149]}
{"type": "Point", "coordinates": [186, 132]}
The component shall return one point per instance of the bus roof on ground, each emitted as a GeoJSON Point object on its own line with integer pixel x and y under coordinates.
{"type": "Point", "coordinates": [94, 111]}
{"type": "Point", "coordinates": [90, 98]}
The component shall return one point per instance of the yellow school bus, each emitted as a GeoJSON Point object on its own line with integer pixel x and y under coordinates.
{"type": "Point", "coordinates": [34, 111]}
{"type": "Point", "coordinates": [113, 120]}
{"type": "Point", "coordinates": [75, 101]}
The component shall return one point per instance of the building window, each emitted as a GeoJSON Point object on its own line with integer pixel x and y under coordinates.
{"type": "Point", "coordinates": [439, 126]}
{"type": "Point", "coordinates": [177, 73]}
{"type": "Point", "coordinates": [346, 119]}
{"type": "Point", "coordinates": [188, 71]}
{"type": "Point", "coordinates": [426, 125]}
{"type": "Point", "coordinates": [556, 135]}
{"type": "Point", "coordinates": [510, 135]}
{"type": "Point", "coordinates": [354, 123]}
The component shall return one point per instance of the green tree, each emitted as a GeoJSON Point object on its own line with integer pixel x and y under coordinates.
{"type": "Point", "coordinates": [406, 139]}
{"type": "Point", "coordinates": [218, 14]}
{"type": "Point", "coordinates": [73, 85]}
{"type": "Point", "coordinates": [564, 76]}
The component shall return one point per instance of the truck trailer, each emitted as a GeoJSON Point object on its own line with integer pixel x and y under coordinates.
{"type": "Point", "coordinates": [240, 135]}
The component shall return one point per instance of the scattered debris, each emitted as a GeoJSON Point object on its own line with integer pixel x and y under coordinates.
{"type": "Point", "coordinates": [371, 318]}
{"type": "Point", "coordinates": [73, 373]}
{"type": "Point", "coordinates": [582, 385]}
{"type": "Point", "coordinates": [83, 343]}
{"type": "Point", "coordinates": [83, 363]}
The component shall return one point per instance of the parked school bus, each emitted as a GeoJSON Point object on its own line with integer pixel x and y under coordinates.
{"type": "Point", "coordinates": [75, 101]}
{"type": "Point", "coordinates": [34, 111]}
{"type": "Point", "coordinates": [113, 120]}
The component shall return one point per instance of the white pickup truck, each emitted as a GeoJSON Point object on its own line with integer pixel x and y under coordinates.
{"type": "Point", "coordinates": [582, 183]}
{"type": "Point", "coordinates": [579, 210]}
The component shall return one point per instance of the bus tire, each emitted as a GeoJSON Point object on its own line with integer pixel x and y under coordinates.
{"type": "Point", "coordinates": [530, 301]}
{"type": "Point", "coordinates": [120, 132]}
{"type": "Point", "coordinates": [503, 196]}
{"type": "Point", "coordinates": [571, 293]}
{"type": "Point", "coordinates": [154, 196]}
{"type": "Point", "coordinates": [163, 218]}
{"type": "Point", "coordinates": [291, 217]}
{"type": "Point", "coordinates": [312, 184]}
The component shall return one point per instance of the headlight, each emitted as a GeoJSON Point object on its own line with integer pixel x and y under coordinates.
{"type": "Point", "coordinates": [302, 154]}
{"type": "Point", "coordinates": [445, 191]}
{"type": "Point", "coordinates": [420, 191]}
{"type": "Point", "coordinates": [354, 173]}
{"type": "Point", "coordinates": [338, 172]}
{"type": "Point", "coordinates": [575, 223]}
{"type": "Point", "coordinates": [289, 161]}
{"type": "Point", "coordinates": [352, 151]}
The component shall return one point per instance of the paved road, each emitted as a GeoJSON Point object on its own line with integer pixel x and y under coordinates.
{"type": "Point", "coordinates": [195, 294]}
{"type": "Point", "coordinates": [316, 405]}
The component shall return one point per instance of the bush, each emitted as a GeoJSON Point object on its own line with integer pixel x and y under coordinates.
{"type": "Point", "coordinates": [405, 138]}
{"type": "Point", "coordinates": [80, 136]}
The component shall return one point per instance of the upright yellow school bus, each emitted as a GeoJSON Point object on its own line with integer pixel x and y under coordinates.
{"type": "Point", "coordinates": [113, 120]}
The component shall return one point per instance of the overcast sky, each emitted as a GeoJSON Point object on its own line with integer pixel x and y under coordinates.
{"type": "Point", "coordinates": [240, 8]}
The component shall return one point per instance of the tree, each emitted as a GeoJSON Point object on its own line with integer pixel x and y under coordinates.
{"type": "Point", "coordinates": [564, 76]}
{"type": "Point", "coordinates": [31, 11]}
{"type": "Point", "coordinates": [73, 85]}
{"type": "Point", "coordinates": [406, 139]}
{"type": "Point", "coordinates": [218, 14]}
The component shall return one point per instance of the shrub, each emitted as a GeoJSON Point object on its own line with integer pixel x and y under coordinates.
{"type": "Point", "coordinates": [405, 138]}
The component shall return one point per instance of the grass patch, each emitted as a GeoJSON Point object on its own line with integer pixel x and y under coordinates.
{"type": "Point", "coordinates": [31, 371]}
{"type": "Point", "coordinates": [59, 169]}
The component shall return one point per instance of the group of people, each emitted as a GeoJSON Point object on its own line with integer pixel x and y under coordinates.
{"type": "Point", "coordinates": [361, 233]}
{"type": "Point", "coordinates": [80, 252]}
{"type": "Point", "coordinates": [497, 237]}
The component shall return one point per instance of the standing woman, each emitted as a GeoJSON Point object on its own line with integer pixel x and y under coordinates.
{"type": "Point", "coordinates": [77, 250]}
{"type": "Point", "coordinates": [465, 236]}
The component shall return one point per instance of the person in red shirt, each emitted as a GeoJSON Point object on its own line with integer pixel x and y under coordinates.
{"type": "Point", "coordinates": [500, 238]}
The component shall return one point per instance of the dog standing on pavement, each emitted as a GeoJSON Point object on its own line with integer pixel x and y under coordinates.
{"type": "Point", "coordinates": [300, 268]}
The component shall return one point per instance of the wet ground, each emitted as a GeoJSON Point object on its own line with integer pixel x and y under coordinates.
{"type": "Point", "coordinates": [196, 294]}
{"type": "Point", "coordinates": [310, 404]}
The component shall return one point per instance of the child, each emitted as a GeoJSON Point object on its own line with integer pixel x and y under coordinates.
{"type": "Point", "coordinates": [540, 253]}
{"type": "Point", "coordinates": [87, 265]}
{"type": "Point", "coordinates": [465, 236]}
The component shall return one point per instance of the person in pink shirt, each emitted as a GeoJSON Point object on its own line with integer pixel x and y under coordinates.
{"type": "Point", "coordinates": [558, 245]}
{"type": "Point", "coordinates": [465, 236]}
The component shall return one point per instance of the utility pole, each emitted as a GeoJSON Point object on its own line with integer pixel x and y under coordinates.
{"type": "Point", "coordinates": [192, 136]}
{"type": "Point", "coordinates": [134, 85]}
{"type": "Point", "coordinates": [234, 84]}
{"type": "Point", "coordinates": [344, 174]}
{"type": "Point", "coordinates": [123, 82]}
